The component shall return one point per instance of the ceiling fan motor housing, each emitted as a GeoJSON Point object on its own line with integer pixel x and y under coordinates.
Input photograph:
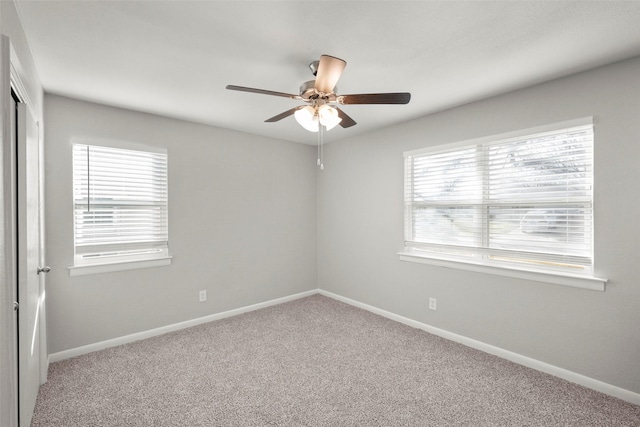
{"type": "Point", "coordinates": [308, 92]}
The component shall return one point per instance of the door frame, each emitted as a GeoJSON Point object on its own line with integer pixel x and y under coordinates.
{"type": "Point", "coordinates": [9, 375]}
{"type": "Point", "coordinates": [8, 239]}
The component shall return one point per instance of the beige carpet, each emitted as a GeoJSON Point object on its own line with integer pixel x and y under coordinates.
{"type": "Point", "coordinates": [311, 362]}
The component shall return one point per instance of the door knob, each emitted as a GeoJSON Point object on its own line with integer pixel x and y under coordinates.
{"type": "Point", "coordinates": [44, 269]}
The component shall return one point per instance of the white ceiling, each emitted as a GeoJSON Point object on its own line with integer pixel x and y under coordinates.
{"type": "Point", "coordinates": [174, 58]}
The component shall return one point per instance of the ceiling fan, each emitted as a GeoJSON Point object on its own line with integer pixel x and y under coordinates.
{"type": "Point", "coordinates": [320, 97]}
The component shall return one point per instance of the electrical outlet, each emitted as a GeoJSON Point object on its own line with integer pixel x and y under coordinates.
{"type": "Point", "coordinates": [203, 296]}
{"type": "Point", "coordinates": [433, 304]}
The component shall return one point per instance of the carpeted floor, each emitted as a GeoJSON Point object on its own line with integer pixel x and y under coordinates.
{"type": "Point", "coordinates": [311, 362]}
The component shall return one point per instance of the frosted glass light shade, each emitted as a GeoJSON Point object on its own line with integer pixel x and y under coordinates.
{"type": "Point", "coordinates": [328, 116]}
{"type": "Point", "coordinates": [307, 118]}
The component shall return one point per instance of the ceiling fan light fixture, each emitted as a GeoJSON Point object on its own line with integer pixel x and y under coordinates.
{"type": "Point", "coordinates": [307, 118]}
{"type": "Point", "coordinates": [318, 93]}
{"type": "Point", "coordinates": [328, 116]}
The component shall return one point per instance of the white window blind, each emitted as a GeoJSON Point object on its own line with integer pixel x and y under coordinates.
{"type": "Point", "coordinates": [524, 200]}
{"type": "Point", "coordinates": [120, 204]}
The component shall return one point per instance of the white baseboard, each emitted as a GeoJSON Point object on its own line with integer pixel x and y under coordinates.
{"type": "Point", "coordinates": [78, 351]}
{"type": "Point", "coordinates": [565, 374]}
{"type": "Point", "coordinates": [597, 385]}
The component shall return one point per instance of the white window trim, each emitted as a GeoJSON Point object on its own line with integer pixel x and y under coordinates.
{"type": "Point", "coordinates": [584, 281]}
{"type": "Point", "coordinates": [83, 270]}
{"type": "Point", "coordinates": [576, 281]}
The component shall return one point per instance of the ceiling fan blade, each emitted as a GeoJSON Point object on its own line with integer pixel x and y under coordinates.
{"type": "Point", "coordinates": [283, 115]}
{"type": "Point", "coordinates": [375, 98]}
{"type": "Point", "coordinates": [262, 91]}
{"type": "Point", "coordinates": [347, 121]}
{"type": "Point", "coordinates": [329, 71]}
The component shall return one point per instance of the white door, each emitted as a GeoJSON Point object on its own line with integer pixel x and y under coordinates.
{"type": "Point", "coordinates": [8, 283]}
{"type": "Point", "coordinates": [30, 292]}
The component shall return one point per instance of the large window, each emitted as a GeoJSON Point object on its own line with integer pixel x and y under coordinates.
{"type": "Point", "coordinates": [120, 205]}
{"type": "Point", "coordinates": [519, 201]}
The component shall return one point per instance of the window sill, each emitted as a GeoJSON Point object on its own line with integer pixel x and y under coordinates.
{"type": "Point", "coordinates": [584, 282]}
{"type": "Point", "coordinates": [82, 270]}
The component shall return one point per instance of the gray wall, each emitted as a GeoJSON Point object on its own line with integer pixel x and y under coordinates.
{"type": "Point", "coordinates": [360, 230]}
{"type": "Point", "coordinates": [224, 178]}
{"type": "Point", "coordinates": [242, 225]}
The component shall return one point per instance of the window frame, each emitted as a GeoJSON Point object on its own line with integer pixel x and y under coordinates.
{"type": "Point", "coordinates": [108, 263]}
{"type": "Point", "coordinates": [473, 260]}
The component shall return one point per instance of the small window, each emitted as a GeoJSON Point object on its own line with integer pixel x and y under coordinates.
{"type": "Point", "coordinates": [519, 201]}
{"type": "Point", "coordinates": [120, 205]}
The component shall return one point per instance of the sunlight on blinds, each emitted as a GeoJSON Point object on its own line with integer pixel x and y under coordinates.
{"type": "Point", "coordinates": [120, 202]}
{"type": "Point", "coordinates": [526, 199]}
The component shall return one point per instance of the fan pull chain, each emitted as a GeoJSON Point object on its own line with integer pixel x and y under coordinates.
{"type": "Point", "coordinates": [88, 182]}
{"type": "Point", "coordinates": [321, 146]}
{"type": "Point", "coordinates": [318, 163]}
{"type": "Point", "coordinates": [322, 150]}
